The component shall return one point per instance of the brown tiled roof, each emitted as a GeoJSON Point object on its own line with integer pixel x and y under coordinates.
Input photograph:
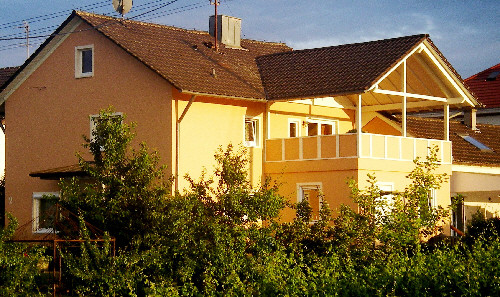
{"type": "Point", "coordinates": [335, 70]}
{"type": "Point", "coordinates": [487, 90]}
{"type": "Point", "coordinates": [5, 74]}
{"type": "Point", "coordinates": [463, 152]}
{"type": "Point", "coordinates": [183, 58]}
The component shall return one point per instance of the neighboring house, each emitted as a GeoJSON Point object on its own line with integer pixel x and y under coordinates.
{"type": "Point", "coordinates": [486, 87]}
{"type": "Point", "coordinates": [475, 167]}
{"type": "Point", "coordinates": [293, 110]}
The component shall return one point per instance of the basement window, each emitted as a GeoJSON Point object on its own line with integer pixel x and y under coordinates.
{"type": "Point", "coordinates": [476, 143]}
{"type": "Point", "coordinates": [312, 193]}
{"type": "Point", "coordinates": [44, 211]}
{"type": "Point", "coordinates": [84, 61]}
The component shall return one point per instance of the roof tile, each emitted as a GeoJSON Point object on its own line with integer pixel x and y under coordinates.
{"type": "Point", "coordinates": [334, 70]}
{"type": "Point", "coordinates": [184, 58]}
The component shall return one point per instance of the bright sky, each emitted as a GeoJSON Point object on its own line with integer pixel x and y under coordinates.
{"type": "Point", "coordinates": [466, 32]}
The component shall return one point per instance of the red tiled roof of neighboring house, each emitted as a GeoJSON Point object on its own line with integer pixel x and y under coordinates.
{"type": "Point", "coordinates": [185, 58]}
{"type": "Point", "coordinates": [335, 70]}
{"type": "Point", "coordinates": [464, 152]}
{"type": "Point", "coordinates": [5, 74]}
{"type": "Point", "coordinates": [486, 86]}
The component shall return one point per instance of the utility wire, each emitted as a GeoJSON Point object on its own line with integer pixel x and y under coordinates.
{"type": "Point", "coordinates": [143, 16]}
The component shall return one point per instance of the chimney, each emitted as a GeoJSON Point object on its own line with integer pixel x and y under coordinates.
{"type": "Point", "coordinates": [470, 118]}
{"type": "Point", "coordinates": [228, 30]}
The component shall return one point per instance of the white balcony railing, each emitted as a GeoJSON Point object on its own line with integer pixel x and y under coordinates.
{"type": "Point", "coordinates": [373, 146]}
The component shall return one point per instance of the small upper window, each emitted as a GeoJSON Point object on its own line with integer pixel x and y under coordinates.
{"type": "Point", "coordinates": [251, 132]}
{"type": "Point", "coordinates": [476, 143]}
{"type": "Point", "coordinates": [84, 61]}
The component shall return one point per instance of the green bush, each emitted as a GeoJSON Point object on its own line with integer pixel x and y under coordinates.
{"type": "Point", "coordinates": [19, 264]}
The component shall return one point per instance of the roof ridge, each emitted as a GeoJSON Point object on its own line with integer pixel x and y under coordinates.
{"type": "Point", "coordinates": [201, 32]}
{"type": "Point", "coordinates": [423, 35]}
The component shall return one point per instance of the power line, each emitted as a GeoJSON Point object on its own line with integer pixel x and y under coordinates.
{"type": "Point", "coordinates": [148, 15]}
{"type": "Point", "coordinates": [51, 15]}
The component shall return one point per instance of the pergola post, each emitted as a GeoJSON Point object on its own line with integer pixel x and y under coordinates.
{"type": "Point", "coordinates": [358, 126]}
{"type": "Point", "coordinates": [404, 99]}
{"type": "Point", "coordinates": [446, 135]}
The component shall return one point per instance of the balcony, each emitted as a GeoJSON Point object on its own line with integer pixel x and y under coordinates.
{"type": "Point", "coordinates": [345, 146]}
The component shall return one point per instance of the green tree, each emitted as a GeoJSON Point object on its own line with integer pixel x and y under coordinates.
{"type": "Point", "coordinates": [127, 189]}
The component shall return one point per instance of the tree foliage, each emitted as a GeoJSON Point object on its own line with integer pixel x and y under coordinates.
{"type": "Point", "coordinates": [20, 270]}
{"type": "Point", "coordinates": [223, 237]}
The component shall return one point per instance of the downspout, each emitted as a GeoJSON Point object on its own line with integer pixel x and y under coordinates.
{"type": "Point", "coordinates": [177, 141]}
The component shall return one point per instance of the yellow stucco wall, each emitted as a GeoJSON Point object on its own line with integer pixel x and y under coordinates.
{"type": "Point", "coordinates": [51, 111]}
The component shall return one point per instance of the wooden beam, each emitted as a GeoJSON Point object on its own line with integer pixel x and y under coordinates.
{"type": "Point", "coordinates": [399, 105]}
{"type": "Point", "coordinates": [404, 99]}
{"type": "Point", "coordinates": [446, 74]}
{"type": "Point", "coordinates": [447, 122]}
{"type": "Point", "coordinates": [411, 95]}
{"type": "Point", "coordinates": [359, 124]}
{"type": "Point", "coordinates": [433, 76]}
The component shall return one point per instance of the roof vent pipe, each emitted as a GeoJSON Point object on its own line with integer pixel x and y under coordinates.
{"type": "Point", "coordinates": [228, 30]}
{"type": "Point", "coordinates": [470, 118]}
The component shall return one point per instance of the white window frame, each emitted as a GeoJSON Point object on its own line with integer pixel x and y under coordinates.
{"type": "Point", "coordinates": [386, 187]}
{"type": "Point", "coordinates": [37, 196]}
{"type": "Point", "coordinates": [79, 61]}
{"type": "Point", "coordinates": [297, 127]}
{"type": "Point", "coordinates": [256, 127]}
{"type": "Point", "coordinates": [334, 123]}
{"type": "Point", "coordinates": [432, 196]}
{"type": "Point", "coordinates": [308, 186]}
{"type": "Point", "coordinates": [92, 118]}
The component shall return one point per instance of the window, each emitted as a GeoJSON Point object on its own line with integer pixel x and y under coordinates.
{"type": "Point", "coordinates": [95, 119]}
{"type": "Point", "coordinates": [432, 198]}
{"type": "Point", "coordinates": [293, 128]}
{"type": "Point", "coordinates": [44, 211]}
{"type": "Point", "coordinates": [476, 143]}
{"type": "Point", "coordinates": [251, 132]}
{"type": "Point", "coordinates": [321, 127]}
{"type": "Point", "coordinates": [312, 193]}
{"type": "Point", "coordinates": [84, 61]}
{"type": "Point", "coordinates": [386, 198]}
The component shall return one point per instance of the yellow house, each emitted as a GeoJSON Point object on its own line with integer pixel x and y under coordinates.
{"type": "Point", "coordinates": [309, 118]}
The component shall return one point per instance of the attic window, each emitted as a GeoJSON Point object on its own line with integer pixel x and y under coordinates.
{"type": "Point", "coordinates": [84, 61]}
{"type": "Point", "coordinates": [476, 143]}
{"type": "Point", "coordinates": [493, 76]}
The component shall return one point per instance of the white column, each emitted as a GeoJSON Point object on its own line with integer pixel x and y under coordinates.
{"type": "Point", "coordinates": [404, 99]}
{"type": "Point", "coordinates": [359, 124]}
{"type": "Point", "coordinates": [446, 122]}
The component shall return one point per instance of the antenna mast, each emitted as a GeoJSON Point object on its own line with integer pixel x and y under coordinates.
{"type": "Point", "coordinates": [27, 30]}
{"type": "Point", "coordinates": [215, 3]}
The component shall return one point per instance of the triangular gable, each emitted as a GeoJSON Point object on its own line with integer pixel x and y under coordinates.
{"type": "Point", "coordinates": [425, 78]}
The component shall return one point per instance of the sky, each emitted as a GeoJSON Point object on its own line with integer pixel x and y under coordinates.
{"type": "Point", "coordinates": [466, 32]}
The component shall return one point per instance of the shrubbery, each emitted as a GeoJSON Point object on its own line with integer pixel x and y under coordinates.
{"type": "Point", "coordinates": [19, 264]}
{"type": "Point", "coordinates": [224, 238]}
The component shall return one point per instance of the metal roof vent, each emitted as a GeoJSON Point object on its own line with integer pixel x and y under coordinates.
{"type": "Point", "coordinates": [228, 30]}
